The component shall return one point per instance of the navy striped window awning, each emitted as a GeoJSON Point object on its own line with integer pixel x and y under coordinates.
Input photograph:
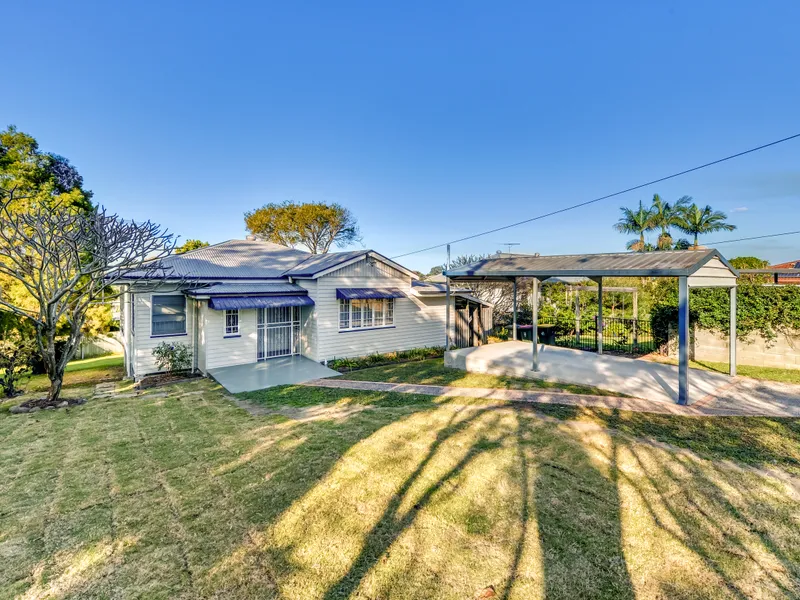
{"type": "Point", "coordinates": [368, 293]}
{"type": "Point", "coordinates": [244, 302]}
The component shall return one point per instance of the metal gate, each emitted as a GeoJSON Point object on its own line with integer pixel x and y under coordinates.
{"type": "Point", "coordinates": [278, 331]}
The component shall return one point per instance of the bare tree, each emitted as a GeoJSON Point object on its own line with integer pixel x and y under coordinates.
{"type": "Point", "coordinates": [67, 260]}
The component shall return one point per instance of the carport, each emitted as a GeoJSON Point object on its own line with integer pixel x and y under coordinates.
{"type": "Point", "coordinates": [693, 269]}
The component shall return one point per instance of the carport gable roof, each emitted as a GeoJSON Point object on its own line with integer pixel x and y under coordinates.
{"type": "Point", "coordinates": [670, 263]}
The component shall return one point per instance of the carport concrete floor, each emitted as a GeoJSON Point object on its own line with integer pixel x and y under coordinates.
{"type": "Point", "coordinates": [634, 377]}
{"type": "Point", "coordinates": [285, 370]}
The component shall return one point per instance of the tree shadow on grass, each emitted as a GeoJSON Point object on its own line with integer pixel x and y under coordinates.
{"type": "Point", "coordinates": [393, 523]}
{"type": "Point", "coordinates": [579, 521]}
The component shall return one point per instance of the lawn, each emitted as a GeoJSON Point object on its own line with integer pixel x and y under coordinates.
{"type": "Point", "coordinates": [765, 373]}
{"type": "Point", "coordinates": [177, 493]}
{"type": "Point", "coordinates": [433, 372]}
{"type": "Point", "coordinates": [82, 372]}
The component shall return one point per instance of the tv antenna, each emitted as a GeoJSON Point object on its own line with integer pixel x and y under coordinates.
{"type": "Point", "coordinates": [509, 244]}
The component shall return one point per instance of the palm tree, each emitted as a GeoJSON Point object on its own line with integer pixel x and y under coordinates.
{"type": "Point", "coordinates": [694, 221]}
{"type": "Point", "coordinates": [636, 222]}
{"type": "Point", "coordinates": [665, 216]}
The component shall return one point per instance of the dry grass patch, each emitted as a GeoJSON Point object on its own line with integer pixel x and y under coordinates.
{"type": "Point", "coordinates": [176, 494]}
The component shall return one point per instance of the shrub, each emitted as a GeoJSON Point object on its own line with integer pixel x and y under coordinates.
{"type": "Point", "coordinates": [16, 357]}
{"type": "Point", "coordinates": [173, 357]}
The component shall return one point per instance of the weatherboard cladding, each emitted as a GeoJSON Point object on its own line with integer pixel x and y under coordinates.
{"type": "Point", "coordinates": [368, 293]}
{"type": "Point", "coordinates": [245, 302]}
{"type": "Point", "coordinates": [628, 264]}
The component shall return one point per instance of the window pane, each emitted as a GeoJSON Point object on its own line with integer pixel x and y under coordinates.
{"type": "Point", "coordinates": [377, 312]}
{"type": "Point", "coordinates": [366, 313]}
{"type": "Point", "coordinates": [169, 315]}
{"type": "Point", "coordinates": [356, 314]}
{"type": "Point", "coordinates": [344, 314]}
{"type": "Point", "coordinates": [231, 322]}
{"type": "Point", "coordinates": [389, 311]}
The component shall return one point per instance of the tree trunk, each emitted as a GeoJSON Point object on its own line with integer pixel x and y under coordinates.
{"type": "Point", "coordinates": [55, 389]}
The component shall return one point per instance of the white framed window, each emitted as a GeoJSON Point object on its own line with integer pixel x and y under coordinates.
{"type": "Point", "coordinates": [232, 322]}
{"type": "Point", "coordinates": [365, 314]}
{"type": "Point", "coordinates": [168, 315]}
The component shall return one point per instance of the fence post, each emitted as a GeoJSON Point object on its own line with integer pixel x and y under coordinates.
{"type": "Point", "coordinates": [578, 318]}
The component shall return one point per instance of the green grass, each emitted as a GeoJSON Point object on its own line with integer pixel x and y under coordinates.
{"type": "Point", "coordinates": [176, 493]}
{"type": "Point", "coordinates": [433, 372]}
{"type": "Point", "coordinates": [763, 373]}
{"type": "Point", "coordinates": [86, 372]}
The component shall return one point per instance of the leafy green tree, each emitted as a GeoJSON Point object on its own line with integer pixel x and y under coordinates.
{"type": "Point", "coordinates": [748, 262]}
{"type": "Point", "coordinates": [637, 222]}
{"type": "Point", "coordinates": [696, 221]}
{"type": "Point", "coordinates": [664, 216]}
{"type": "Point", "coordinates": [190, 245]}
{"type": "Point", "coordinates": [315, 225]}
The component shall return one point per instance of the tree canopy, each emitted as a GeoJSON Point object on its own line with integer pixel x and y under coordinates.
{"type": "Point", "coordinates": [315, 225]}
{"type": "Point", "coordinates": [190, 245]}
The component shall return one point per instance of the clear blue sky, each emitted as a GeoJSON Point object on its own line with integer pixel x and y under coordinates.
{"type": "Point", "coordinates": [429, 120]}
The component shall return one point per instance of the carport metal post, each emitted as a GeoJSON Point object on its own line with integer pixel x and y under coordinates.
{"type": "Point", "coordinates": [732, 341]}
{"type": "Point", "coordinates": [600, 315]}
{"type": "Point", "coordinates": [447, 305]}
{"type": "Point", "coordinates": [514, 333]}
{"type": "Point", "coordinates": [683, 340]}
{"type": "Point", "coordinates": [535, 322]}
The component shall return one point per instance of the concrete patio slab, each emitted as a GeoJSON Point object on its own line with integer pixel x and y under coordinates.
{"type": "Point", "coordinates": [286, 370]}
{"type": "Point", "coordinates": [635, 377]}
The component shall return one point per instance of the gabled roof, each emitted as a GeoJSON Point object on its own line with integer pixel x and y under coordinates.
{"type": "Point", "coordinates": [675, 263]}
{"type": "Point", "coordinates": [234, 259]}
{"type": "Point", "coordinates": [257, 259]}
{"type": "Point", "coordinates": [316, 263]}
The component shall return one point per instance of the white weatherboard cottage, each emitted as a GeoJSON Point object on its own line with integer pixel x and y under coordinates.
{"type": "Point", "coordinates": [248, 301]}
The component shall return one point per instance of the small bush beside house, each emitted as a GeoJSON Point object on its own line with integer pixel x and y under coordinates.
{"type": "Point", "coordinates": [173, 357]}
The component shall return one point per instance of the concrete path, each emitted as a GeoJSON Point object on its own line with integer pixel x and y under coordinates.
{"type": "Point", "coordinates": [727, 405]}
{"type": "Point", "coordinates": [286, 370]}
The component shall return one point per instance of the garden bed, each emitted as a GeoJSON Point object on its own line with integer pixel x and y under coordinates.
{"type": "Point", "coordinates": [159, 379]}
{"type": "Point", "coordinates": [347, 365]}
{"type": "Point", "coordinates": [37, 404]}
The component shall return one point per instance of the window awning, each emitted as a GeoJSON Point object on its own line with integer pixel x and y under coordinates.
{"type": "Point", "coordinates": [368, 293]}
{"type": "Point", "coordinates": [244, 302]}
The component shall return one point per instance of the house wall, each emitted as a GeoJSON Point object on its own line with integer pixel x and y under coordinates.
{"type": "Point", "coordinates": [143, 342]}
{"type": "Point", "coordinates": [713, 273]}
{"type": "Point", "coordinates": [202, 309]}
{"type": "Point", "coordinates": [308, 323]}
{"type": "Point", "coordinates": [225, 351]}
{"type": "Point", "coordinates": [417, 321]}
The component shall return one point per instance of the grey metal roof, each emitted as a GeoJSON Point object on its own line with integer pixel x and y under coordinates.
{"type": "Point", "coordinates": [247, 289]}
{"type": "Point", "coordinates": [234, 259]}
{"type": "Point", "coordinates": [472, 298]}
{"type": "Point", "coordinates": [674, 263]}
{"type": "Point", "coordinates": [314, 263]}
{"type": "Point", "coordinates": [432, 287]}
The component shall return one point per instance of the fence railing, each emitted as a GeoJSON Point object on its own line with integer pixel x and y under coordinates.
{"type": "Point", "coordinates": [620, 336]}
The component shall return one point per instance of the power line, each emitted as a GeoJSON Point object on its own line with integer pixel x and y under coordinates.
{"type": "Point", "coordinates": [606, 197]}
{"type": "Point", "coordinates": [757, 237]}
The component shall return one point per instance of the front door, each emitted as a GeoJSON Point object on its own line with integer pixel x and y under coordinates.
{"type": "Point", "coordinates": [278, 331]}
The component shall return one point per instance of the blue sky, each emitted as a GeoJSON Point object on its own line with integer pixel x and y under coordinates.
{"type": "Point", "coordinates": [430, 121]}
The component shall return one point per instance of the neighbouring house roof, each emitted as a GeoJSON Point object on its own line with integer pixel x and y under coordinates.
{"type": "Point", "coordinates": [257, 259]}
{"type": "Point", "coordinates": [676, 263]}
{"type": "Point", "coordinates": [428, 287]}
{"type": "Point", "coordinates": [792, 264]}
{"type": "Point", "coordinates": [247, 289]}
